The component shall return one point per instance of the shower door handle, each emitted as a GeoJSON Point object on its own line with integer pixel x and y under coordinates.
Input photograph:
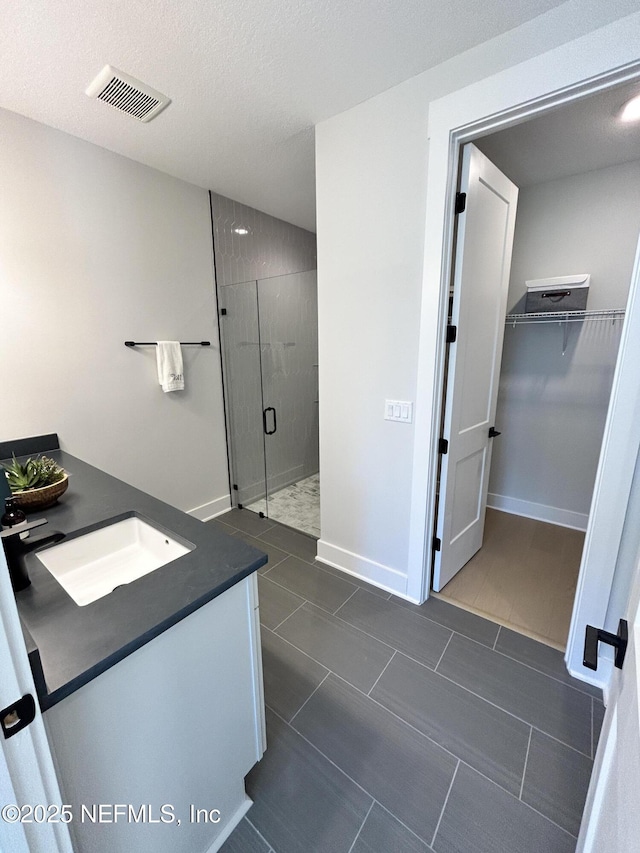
{"type": "Point", "coordinates": [264, 421]}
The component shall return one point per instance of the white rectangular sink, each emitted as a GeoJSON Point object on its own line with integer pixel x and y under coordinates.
{"type": "Point", "coordinates": [94, 564]}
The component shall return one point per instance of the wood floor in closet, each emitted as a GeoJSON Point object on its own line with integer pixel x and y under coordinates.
{"type": "Point", "coordinates": [523, 577]}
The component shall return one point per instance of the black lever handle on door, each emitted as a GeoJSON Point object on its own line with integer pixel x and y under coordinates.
{"type": "Point", "coordinates": [264, 421]}
{"type": "Point", "coordinates": [493, 432]}
{"type": "Point", "coordinates": [619, 641]}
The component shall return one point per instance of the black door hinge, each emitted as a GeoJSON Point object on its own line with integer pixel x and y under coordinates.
{"type": "Point", "coordinates": [443, 445]}
{"type": "Point", "coordinates": [461, 203]}
{"type": "Point", "coordinates": [452, 334]}
{"type": "Point", "coordinates": [223, 312]}
{"type": "Point", "coordinates": [437, 544]}
{"type": "Point", "coordinates": [235, 487]}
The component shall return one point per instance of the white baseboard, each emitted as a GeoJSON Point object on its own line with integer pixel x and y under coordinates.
{"type": "Point", "coordinates": [231, 825]}
{"type": "Point", "coordinates": [207, 511]}
{"type": "Point", "coordinates": [541, 512]}
{"type": "Point", "coordinates": [384, 577]}
{"type": "Point", "coordinates": [600, 679]}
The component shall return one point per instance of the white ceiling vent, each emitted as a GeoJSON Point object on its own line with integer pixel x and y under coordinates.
{"type": "Point", "coordinates": [127, 94]}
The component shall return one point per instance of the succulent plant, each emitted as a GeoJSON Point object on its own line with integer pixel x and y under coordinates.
{"type": "Point", "coordinates": [32, 474]}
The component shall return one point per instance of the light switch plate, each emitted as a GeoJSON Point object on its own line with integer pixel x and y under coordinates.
{"type": "Point", "coordinates": [398, 410]}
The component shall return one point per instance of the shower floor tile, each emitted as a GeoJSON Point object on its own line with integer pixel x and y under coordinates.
{"type": "Point", "coordinates": [297, 505]}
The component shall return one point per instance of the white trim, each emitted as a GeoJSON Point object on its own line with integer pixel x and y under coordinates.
{"type": "Point", "coordinates": [210, 510]}
{"type": "Point", "coordinates": [233, 823]}
{"type": "Point", "coordinates": [377, 574]}
{"type": "Point", "coordinates": [541, 512]}
{"type": "Point", "coordinates": [589, 64]}
{"type": "Point", "coordinates": [600, 678]}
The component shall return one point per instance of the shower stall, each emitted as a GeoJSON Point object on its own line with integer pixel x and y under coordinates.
{"type": "Point", "coordinates": [269, 331]}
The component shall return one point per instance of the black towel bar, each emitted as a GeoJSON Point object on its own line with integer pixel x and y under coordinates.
{"type": "Point", "coordinates": [155, 343]}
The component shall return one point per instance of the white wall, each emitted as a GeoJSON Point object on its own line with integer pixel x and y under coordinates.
{"type": "Point", "coordinates": [582, 223]}
{"type": "Point", "coordinates": [371, 194]}
{"type": "Point", "coordinates": [96, 249]}
{"type": "Point", "coordinates": [552, 407]}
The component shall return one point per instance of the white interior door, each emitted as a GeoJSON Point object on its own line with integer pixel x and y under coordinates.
{"type": "Point", "coordinates": [481, 282]}
{"type": "Point", "coordinates": [27, 775]}
{"type": "Point", "coordinates": [611, 821]}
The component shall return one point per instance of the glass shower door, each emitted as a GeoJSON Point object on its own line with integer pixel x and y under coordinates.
{"type": "Point", "coordinates": [270, 351]}
{"type": "Point", "coordinates": [288, 323]}
{"type": "Point", "coordinates": [243, 387]}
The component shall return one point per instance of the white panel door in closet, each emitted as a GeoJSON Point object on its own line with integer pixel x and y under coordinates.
{"type": "Point", "coordinates": [481, 280]}
{"type": "Point", "coordinates": [611, 821]}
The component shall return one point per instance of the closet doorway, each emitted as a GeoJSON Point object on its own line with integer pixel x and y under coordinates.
{"type": "Point", "coordinates": [578, 171]}
{"type": "Point", "coordinates": [269, 331]}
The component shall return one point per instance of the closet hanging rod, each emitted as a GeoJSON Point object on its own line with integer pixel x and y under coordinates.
{"type": "Point", "coordinates": [565, 316]}
{"type": "Point", "coordinates": [155, 343]}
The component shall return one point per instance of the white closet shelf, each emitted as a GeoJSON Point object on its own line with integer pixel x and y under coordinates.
{"type": "Point", "coordinates": [565, 316]}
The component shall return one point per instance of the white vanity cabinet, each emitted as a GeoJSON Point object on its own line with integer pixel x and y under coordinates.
{"type": "Point", "coordinates": [168, 732]}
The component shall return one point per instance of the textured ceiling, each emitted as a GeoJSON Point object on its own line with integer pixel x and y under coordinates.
{"type": "Point", "coordinates": [248, 81]}
{"type": "Point", "coordinates": [581, 137]}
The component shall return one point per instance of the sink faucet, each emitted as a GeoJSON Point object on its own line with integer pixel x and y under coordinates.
{"type": "Point", "coordinates": [16, 549]}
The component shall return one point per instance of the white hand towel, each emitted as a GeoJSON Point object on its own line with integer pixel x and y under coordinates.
{"type": "Point", "coordinates": [170, 375]}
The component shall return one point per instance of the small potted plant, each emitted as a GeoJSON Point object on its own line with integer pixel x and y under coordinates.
{"type": "Point", "coordinates": [37, 483]}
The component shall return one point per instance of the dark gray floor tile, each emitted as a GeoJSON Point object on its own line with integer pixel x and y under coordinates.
{"type": "Point", "coordinates": [541, 657]}
{"type": "Point", "coordinates": [455, 618]}
{"type": "Point", "coordinates": [276, 603]}
{"type": "Point", "coordinates": [343, 649]}
{"type": "Point", "coordinates": [305, 547]}
{"type": "Point", "coordinates": [482, 818]}
{"type": "Point", "coordinates": [549, 705]}
{"type": "Point", "coordinates": [311, 583]}
{"type": "Point", "coordinates": [290, 676]}
{"type": "Point", "coordinates": [485, 737]}
{"type": "Point", "coordinates": [352, 579]}
{"type": "Point", "coordinates": [382, 832]}
{"type": "Point", "coordinates": [244, 839]}
{"type": "Point", "coordinates": [556, 781]}
{"type": "Point", "coordinates": [274, 554]}
{"type": "Point", "coordinates": [245, 519]}
{"type": "Point", "coordinates": [419, 638]}
{"type": "Point", "coordinates": [221, 526]}
{"type": "Point", "coordinates": [598, 718]}
{"type": "Point", "coordinates": [301, 802]}
{"type": "Point", "coordinates": [401, 769]}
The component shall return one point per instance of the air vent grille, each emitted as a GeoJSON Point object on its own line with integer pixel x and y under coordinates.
{"type": "Point", "coordinates": [127, 98]}
{"type": "Point", "coordinates": [127, 94]}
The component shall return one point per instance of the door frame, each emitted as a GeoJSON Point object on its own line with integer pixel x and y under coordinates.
{"type": "Point", "coordinates": [592, 63]}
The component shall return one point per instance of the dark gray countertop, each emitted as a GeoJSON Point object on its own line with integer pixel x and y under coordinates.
{"type": "Point", "coordinates": [70, 645]}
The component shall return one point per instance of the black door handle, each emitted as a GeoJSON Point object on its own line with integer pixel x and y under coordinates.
{"type": "Point", "coordinates": [15, 717]}
{"type": "Point", "coordinates": [264, 421]}
{"type": "Point", "coordinates": [619, 641]}
{"type": "Point", "coordinates": [493, 432]}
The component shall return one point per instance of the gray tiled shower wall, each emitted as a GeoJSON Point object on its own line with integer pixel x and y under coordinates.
{"type": "Point", "coordinates": [282, 258]}
{"type": "Point", "coordinates": [272, 247]}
